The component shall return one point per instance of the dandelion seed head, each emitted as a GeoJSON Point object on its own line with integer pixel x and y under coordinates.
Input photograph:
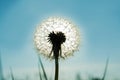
{"type": "Point", "coordinates": [57, 24]}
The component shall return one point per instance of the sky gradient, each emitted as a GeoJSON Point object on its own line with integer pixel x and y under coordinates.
{"type": "Point", "coordinates": [98, 21]}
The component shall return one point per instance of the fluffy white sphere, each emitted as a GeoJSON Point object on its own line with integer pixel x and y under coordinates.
{"type": "Point", "coordinates": [57, 24]}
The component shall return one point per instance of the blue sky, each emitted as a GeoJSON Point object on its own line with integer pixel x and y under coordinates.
{"type": "Point", "coordinates": [98, 21]}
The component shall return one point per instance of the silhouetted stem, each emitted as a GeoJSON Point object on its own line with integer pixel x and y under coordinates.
{"type": "Point", "coordinates": [56, 39]}
{"type": "Point", "coordinates": [56, 69]}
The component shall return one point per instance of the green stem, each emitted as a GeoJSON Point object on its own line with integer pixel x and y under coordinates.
{"type": "Point", "coordinates": [56, 68]}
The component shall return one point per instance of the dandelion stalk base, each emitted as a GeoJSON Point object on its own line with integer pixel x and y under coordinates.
{"type": "Point", "coordinates": [56, 69]}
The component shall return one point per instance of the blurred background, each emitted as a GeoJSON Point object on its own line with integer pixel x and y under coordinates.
{"type": "Point", "coordinates": [99, 25]}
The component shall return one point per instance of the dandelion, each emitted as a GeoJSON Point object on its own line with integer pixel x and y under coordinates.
{"type": "Point", "coordinates": [56, 38]}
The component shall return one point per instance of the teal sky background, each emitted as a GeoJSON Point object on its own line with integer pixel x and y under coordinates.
{"type": "Point", "coordinates": [98, 21]}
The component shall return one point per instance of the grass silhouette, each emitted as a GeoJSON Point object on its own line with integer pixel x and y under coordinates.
{"type": "Point", "coordinates": [40, 76]}
{"type": "Point", "coordinates": [42, 67]}
{"type": "Point", "coordinates": [104, 74]}
{"type": "Point", "coordinates": [43, 73]}
{"type": "Point", "coordinates": [11, 73]}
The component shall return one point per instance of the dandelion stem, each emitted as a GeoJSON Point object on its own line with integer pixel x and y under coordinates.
{"type": "Point", "coordinates": [56, 39]}
{"type": "Point", "coordinates": [56, 69]}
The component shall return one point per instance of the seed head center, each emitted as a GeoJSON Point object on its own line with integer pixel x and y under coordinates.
{"type": "Point", "coordinates": [56, 38]}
